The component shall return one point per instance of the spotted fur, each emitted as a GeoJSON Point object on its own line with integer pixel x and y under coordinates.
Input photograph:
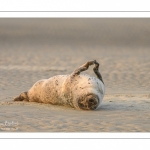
{"type": "Point", "coordinates": [77, 90]}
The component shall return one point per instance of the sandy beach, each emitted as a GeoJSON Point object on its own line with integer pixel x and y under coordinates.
{"type": "Point", "coordinates": [34, 49]}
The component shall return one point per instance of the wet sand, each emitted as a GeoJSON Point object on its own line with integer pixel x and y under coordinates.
{"type": "Point", "coordinates": [34, 49]}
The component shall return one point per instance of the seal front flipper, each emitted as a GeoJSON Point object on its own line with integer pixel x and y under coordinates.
{"type": "Point", "coordinates": [83, 67]}
{"type": "Point", "coordinates": [98, 74]}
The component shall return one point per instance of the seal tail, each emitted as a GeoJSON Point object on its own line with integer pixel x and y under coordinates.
{"type": "Point", "coordinates": [22, 97]}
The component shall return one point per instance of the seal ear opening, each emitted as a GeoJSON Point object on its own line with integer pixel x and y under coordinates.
{"type": "Point", "coordinates": [90, 102]}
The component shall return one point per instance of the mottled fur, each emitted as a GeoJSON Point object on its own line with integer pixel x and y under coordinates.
{"type": "Point", "coordinates": [76, 90]}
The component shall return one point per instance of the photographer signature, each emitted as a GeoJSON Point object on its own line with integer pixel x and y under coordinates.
{"type": "Point", "coordinates": [9, 126]}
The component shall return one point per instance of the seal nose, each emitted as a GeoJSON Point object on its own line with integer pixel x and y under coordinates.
{"type": "Point", "coordinates": [90, 102]}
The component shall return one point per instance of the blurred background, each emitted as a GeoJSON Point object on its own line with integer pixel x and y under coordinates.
{"type": "Point", "coordinates": [32, 49]}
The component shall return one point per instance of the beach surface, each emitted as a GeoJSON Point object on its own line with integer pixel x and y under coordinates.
{"type": "Point", "coordinates": [34, 49]}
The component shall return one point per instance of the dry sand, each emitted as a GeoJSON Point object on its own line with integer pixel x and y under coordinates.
{"type": "Point", "coordinates": [33, 49]}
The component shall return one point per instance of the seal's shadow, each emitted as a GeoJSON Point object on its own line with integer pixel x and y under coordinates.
{"type": "Point", "coordinates": [113, 106]}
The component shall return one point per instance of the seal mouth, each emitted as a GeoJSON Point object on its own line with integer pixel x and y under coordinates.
{"type": "Point", "coordinates": [89, 102]}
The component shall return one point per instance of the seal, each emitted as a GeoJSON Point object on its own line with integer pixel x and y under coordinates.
{"type": "Point", "coordinates": [77, 90]}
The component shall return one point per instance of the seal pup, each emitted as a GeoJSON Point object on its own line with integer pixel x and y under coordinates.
{"type": "Point", "coordinates": [77, 90]}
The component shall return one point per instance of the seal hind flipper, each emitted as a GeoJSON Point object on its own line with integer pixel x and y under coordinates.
{"type": "Point", "coordinates": [22, 97]}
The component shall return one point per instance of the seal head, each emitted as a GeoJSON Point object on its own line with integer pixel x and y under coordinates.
{"type": "Point", "coordinates": [88, 102]}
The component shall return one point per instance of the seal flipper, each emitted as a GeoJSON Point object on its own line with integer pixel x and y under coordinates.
{"type": "Point", "coordinates": [86, 66]}
{"type": "Point", "coordinates": [98, 74]}
{"type": "Point", "coordinates": [22, 97]}
{"type": "Point", "coordinates": [83, 68]}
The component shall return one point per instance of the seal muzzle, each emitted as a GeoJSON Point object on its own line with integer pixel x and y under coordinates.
{"type": "Point", "coordinates": [90, 102]}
